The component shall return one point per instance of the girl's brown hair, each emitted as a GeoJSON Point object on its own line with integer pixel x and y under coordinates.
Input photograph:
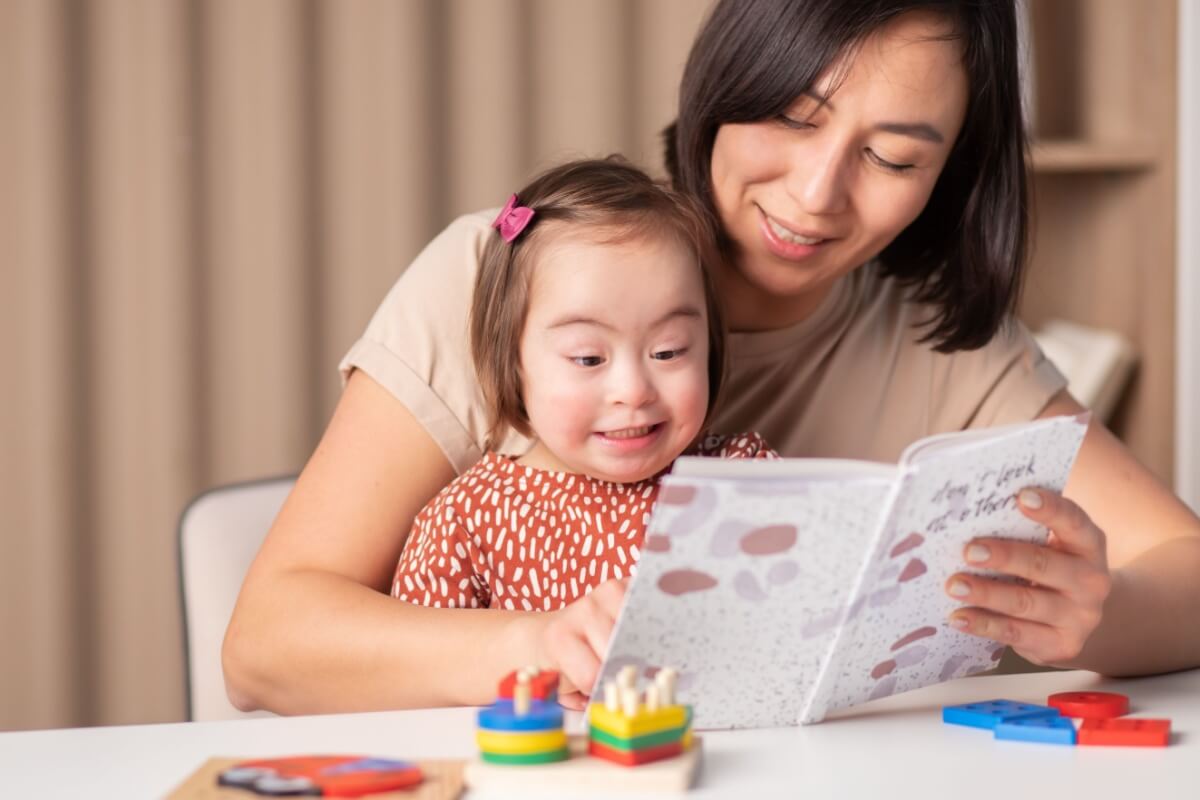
{"type": "Point", "coordinates": [615, 202]}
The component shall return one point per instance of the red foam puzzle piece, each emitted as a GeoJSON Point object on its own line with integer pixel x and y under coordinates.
{"type": "Point", "coordinates": [1127, 731]}
{"type": "Point", "coordinates": [1090, 705]}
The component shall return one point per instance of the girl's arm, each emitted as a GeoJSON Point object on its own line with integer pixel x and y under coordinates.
{"type": "Point", "coordinates": [314, 629]}
{"type": "Point", "coordinates": [1117, 591]}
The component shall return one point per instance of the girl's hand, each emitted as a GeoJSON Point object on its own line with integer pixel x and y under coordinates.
{"type": "Point", "coordinates": [573, 640]}
{"type": "Point", "coordinates": [1049, 620]}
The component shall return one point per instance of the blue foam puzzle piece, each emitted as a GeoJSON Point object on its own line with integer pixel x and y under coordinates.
{"type": "Point", "coordinates": [542, 716]}
{"type": "Point", "coordinates": [1044, 730]}
{"type": "Point", "coordinates": [987, 713]}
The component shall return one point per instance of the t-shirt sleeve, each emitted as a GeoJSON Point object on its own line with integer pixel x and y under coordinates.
{"type": "Point", "coordinates": [436, 568]}
{"type": "Point", "coordinates": [417, 344]}
{"type": "Point", "coordinates": [1014, 377]}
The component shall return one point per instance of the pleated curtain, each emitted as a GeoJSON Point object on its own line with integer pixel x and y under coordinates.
{"type": "Point", "coordinates": [201, 204]}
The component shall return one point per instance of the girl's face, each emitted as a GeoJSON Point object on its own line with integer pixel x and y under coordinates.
{"type": "Point", "coordinates": [809, 196]}
{"type": "Point", "coordinates": [614, 356]}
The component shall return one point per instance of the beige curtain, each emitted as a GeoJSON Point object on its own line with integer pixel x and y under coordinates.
{"type": "Point", "coordinates": [201, 203]}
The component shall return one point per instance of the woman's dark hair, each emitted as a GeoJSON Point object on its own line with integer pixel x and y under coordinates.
{"type": "Point", "coordinates": [609, 201]}
{"type": "Point", "coordinates": [965, 253]}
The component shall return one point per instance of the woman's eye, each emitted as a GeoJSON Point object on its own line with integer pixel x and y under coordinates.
{"type": "Point", "coordinates": [890, 166]}
{"type": "Point", "coordinates": [667, 355]}
{"type": "Point", "coordinates": [794, 124]}
{"type": "Point", "coordinates": [587, 361]}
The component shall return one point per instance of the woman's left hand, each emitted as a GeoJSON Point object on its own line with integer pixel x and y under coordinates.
{"type": "Point", "coordinates": [1048, 620]}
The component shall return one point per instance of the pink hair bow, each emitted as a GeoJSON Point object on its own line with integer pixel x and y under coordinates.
{"type": "Point", "coordinates": [513, 219]}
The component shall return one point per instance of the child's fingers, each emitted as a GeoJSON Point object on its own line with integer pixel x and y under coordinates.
{"type": "Point", "coordinates": [576, 701]}
{"type": "Point", "coordinates": [575, 658]}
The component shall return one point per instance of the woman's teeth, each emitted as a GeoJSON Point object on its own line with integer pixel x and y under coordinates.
{"type": "Point", "coordinates": [630, 433]}
{"type": "Point", "coordinates": [788, 236]}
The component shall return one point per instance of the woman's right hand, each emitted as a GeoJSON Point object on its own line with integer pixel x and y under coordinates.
{"type": "Point", "coordinates": [573, 640]}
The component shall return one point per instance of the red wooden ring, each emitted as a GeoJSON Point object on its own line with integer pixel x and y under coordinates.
{"type": "Point", "coordinates": [1090, 705]}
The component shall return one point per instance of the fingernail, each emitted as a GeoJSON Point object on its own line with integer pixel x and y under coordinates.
{"type": "Point", "coordinates": [978, 553]}
{"type": "Point", "coordinates": [1030, 498]}
{"type": "Point", "coordinates": [959, 588]}
{"type": "Point", "coordinates": [959, 622]}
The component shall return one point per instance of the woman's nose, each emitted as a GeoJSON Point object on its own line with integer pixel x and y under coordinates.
{"type": "Point", "coordinates": [819, 180]}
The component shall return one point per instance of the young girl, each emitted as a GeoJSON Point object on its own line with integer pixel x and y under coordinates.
{"type": "Point", "coordinates": [594, 331]}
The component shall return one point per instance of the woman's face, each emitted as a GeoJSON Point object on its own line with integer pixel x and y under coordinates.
{"type": "Point", "coordinates": [809, 196]}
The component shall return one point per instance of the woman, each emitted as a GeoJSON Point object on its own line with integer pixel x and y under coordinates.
{"type": "Point", "coordinates": [865, 162]}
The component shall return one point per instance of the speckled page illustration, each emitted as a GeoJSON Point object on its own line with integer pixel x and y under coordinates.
{"type": "Point", "coordinates": [783, 590]}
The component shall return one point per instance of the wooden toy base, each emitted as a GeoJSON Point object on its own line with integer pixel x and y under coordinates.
{"type": "Point", "coordinates": [443, 781]}
{"type": "Point", "coordinates": [582, 772]}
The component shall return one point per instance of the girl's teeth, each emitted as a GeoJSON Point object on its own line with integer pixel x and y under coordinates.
{"type": "Point", "coordinates": [788, 236]}
{"type": "Point", "coordinates": [629, 433]}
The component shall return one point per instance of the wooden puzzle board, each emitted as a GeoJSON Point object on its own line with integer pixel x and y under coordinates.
{"type": "Point", "coordinates": [585, 773]}
{"type": "Point", "coordinates": [443, 781]}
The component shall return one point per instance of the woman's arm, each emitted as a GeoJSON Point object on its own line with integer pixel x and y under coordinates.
{"type": "Point", "coordinates": [1117, 589]}
{"type": "Point", "coordinates": [1153, 545]}
{"type": "Point", "coordinates": [314, 629]}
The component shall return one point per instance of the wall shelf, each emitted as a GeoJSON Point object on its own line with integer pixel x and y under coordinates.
{"type": "Point", "coordinates": [1077, 155]}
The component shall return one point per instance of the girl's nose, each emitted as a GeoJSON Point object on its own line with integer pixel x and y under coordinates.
{"type": "Point", "coordinates": [630, 385]}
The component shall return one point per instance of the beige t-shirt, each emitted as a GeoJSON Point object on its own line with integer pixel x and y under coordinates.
{"type": "Point", "coordinates": [851, 381]}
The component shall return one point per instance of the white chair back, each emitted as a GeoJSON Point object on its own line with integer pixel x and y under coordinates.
{"type": "Point", "coordinates": [219, 534]}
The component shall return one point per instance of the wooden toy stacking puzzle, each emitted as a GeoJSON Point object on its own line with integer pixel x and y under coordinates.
{"type": "Point", "coordinates": [636, 740]}
{"type": "Point", "coordinates": [1101, 715]}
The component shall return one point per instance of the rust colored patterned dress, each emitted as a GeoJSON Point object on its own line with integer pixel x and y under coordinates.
{"type": "Point", "coordinates": [504, 535]}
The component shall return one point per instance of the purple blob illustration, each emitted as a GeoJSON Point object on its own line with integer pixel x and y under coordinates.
{"type": "Point", "coordinates": [998, 652]}
{"type": "Point", "coordinates": [914, 569]}
{"type": "Point", "coordinates": [884, 668]}
{"type": "Point", "coordinates": [885, 596]}
{"type": "Point", "coordinates": [700, 502]}
{"type": "Point", "coordinates": [907, 543]}
{"type": "Point", "coordinates": [884, 688]}
{"type": "Point", "coordinates": [857, 607]}
{"type": "Point", "coordinates": [725, 540]}
{"type": "Point", "coordinates": [819, 625]}
{"type": "Point", "coordinates": [950, 668]}
{"type": "Point", "coordinates": [782, 572]}
{"type": "Point", "coordinates": [892, 571]}
{"type": "Point", "coordinates": [913, 655]}
{"type": "Point", "coordinates": [746, 585]}
{"type": "Point", "coordinates": [769, 541]}
{"type": "Point", "coordinates": [684, 581]}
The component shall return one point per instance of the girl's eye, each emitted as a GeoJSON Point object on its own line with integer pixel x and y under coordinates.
{"type": "Point", "coordinates": [587, 361]}
{"type": "Point", "coordinates": [888, 165]}
{"type": "Point", "coordinates": [667, 355]}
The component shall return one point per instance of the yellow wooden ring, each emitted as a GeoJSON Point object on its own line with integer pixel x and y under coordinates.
{"type": "Point", "coordinates": [520, 743]}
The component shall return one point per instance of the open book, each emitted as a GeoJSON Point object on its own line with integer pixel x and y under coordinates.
{"type": "Point", "coordinates": [783, 590]}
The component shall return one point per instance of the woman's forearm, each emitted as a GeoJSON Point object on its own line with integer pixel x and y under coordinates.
{"type": "Point", "coordinates": [1150, 617]}
{"type": "Point", "coordinates": [314, 642]}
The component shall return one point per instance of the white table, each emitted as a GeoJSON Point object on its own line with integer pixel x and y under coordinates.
{"type": "Point", "coordinates": [897, 747]}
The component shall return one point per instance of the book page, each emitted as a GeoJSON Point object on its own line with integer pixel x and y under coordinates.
{"type": "Point", "coordinates": [740, 586]}
{"type": "Point", "coordinates": [896, 636]}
